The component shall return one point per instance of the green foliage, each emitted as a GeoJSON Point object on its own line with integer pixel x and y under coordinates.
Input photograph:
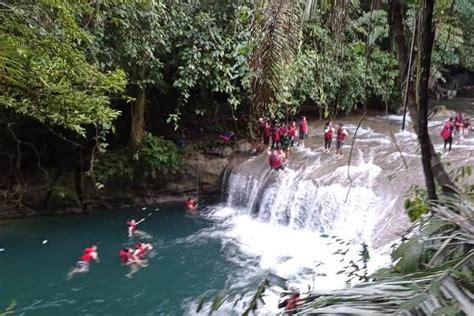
{"type": "Point", "coordinates": [340, 76]}
{"type": "Point", "coordinates": [435, 277]}
{"type": "Point", "coordinates": [157, 157]}
{"type": "Point", "coordinates": [417, 205]}
{"type": "Point", "coordinates": [131, 35]}
{"type": "Point", "coordinates": [44, 71]}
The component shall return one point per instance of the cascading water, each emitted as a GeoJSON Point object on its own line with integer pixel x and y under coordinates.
{"type": "Point", "coordinates": [307, 223]}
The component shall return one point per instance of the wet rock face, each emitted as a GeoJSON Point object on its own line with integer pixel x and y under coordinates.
{"type": "Point", "coordinates": [205, 170]}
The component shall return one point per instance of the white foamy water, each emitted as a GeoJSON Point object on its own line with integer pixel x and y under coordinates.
{"type": "Point", "coordinates": [307, 223]}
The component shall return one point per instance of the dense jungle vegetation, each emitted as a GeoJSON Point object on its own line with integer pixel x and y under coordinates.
{"type": "Point", "coordinates": [100, 92]}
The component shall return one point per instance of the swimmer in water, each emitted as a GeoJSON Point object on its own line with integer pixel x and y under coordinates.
{"type": "Point", "coordinates": [137, 257]}
{"type": "Point", "coordinates": [134, 232]}
{"type": "Point", "coordinates": [89, 254]}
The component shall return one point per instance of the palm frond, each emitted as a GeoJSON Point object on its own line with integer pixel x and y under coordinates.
{"type": "Point", "coordinates": [277, 35]}
{"type": "Point", "coordinates": [432, 275]}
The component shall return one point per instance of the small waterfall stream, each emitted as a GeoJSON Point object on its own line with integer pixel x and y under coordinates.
{"type": "Point", "coordinates": [308, 222]}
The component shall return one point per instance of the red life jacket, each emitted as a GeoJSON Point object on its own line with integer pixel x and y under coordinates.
{"type": "Point", "coordinates": [142, 251]}
{"type": "Point", "coordinates": [292, 131]}
{"type": "Point", "coordinates": [291, 304]}
{"type": "Point", "coordinates": [275, 161]}
{"type": "Point", "coordinates": [341, 136]}
{"type": "Point", "coordinates": [123, 256]}
{"type": "Point", "coordinates": [304, 127]}
{"type": "Point", "coordinates": [276, 133]}
{"type": "Point", "coordinates": [88, 250]}
{"type": "Point", "coordinates": [446, 131]}
{"type": "Point", "coordinates": [266, 131]}
{"type": "Point", "coordinates": [86, 256]}
{"type": "Point", "coordinates": [328, 134]}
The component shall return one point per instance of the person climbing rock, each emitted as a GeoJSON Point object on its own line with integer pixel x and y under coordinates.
{"type": "Point", "coordinates": [447, 133]}
{"type": "Point", "coordinates": [328, 131]}
{"type": "Point", "coordinates": [303, 131]}
{"type": "Point", "coordinates": [341, 136]}
{"type": "Point", "coordinates": [83, 264]}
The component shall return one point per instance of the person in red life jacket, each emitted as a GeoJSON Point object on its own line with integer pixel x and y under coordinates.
{"type": "Point", "coordinates": [291, 303]}
{"type": "Point", "coordinates": [276, 159]}
{"type": "Point", "coordinates": [191, 204]}
{"type": "Point", "coordinates": [341, 136]}
{"type": "Point", "coordinates": [132, 227]}
{"type": "Point", "coordinates": [328, 131]}
{"type": "Point", "coordinates": [303, 131]}
{"type": "Point", "coordinates": [447, 133]}
{"type": "Point", "coordinates": [125, 255]}
{"type": "Point", "coordinates": [88, 254]}
{"type": "Point", "coordinates": [142, 250]}
{"type": "Point", "coordinates": [266, 134]}
{"type": "Point", "coordinates": [467, 125]}
{"type": "Point", "coordinates": [459, 124]}
{"type": "Point", "coordinates": [137, 257]}
{"type": "Point", "coordinates": [292, 133]}
{"type": "Point", "coordinates": [276, 135]}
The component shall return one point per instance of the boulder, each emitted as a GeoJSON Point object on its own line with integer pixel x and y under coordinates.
{"type": "Point", "coordinates": [440, 111]}
{"type": "Point", "coordinates": [243, 146]}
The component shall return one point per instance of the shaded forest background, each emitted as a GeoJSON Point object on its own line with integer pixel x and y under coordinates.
{"type": "Point", "coordinates": [100, 95]}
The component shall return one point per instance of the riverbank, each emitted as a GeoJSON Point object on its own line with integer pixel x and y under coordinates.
{"type": "Point", "coordinates": [200, 173]}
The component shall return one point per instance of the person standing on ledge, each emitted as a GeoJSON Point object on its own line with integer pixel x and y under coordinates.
{"type": "Point", "coordinates": [341, 136]}
{"type": "Point", "coordinates": [328, 131]}
{"type": "Point", "coordinates": [447, 133]}
{"type": "Point", "coordinates": [303, 131]}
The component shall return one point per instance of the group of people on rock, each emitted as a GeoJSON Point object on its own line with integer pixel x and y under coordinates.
{"type": "Point", "coordinates": [283, 138]}
{"type": "Point", "coordinates": [283, 135]}
{"type": "Point", "coordinates": [457, 126]}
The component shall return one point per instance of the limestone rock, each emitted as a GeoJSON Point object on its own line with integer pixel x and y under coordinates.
{"type": "Point", "coordinates": [243, 146]}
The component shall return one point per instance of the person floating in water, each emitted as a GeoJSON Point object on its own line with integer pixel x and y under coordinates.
{"type": "Point", "coordinates": [341, 136]}
{"type": "Point", "coordinates": [276, 159]}
{"type": "Point", "coordinates": [447, 133]}
{"type": "Point", "coordinates": [191, 205]}
{"type": "Point", "coordinates": [303, 131]}
{"type": "Point", "coordinates": [138, 257]}
{"type": "Point", "coordinates": [328, 131]}
{"type": "Point", "coordinates": [89, 254]}
{"type": "Point", "coordinates": [134, 232]}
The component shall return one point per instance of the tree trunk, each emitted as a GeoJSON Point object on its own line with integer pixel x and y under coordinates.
{"type": "Point", "coordinates": [439, 172]}
{"type": "Point", "coordinates": [399, 33]}
{"type": "Point", "coordinates": [425, 47]}
{"type": "Point", "coordinates": [137, 132]}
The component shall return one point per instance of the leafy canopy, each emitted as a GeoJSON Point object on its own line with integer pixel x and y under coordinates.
{"type": "Point", "coordinates": [44, 73]}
